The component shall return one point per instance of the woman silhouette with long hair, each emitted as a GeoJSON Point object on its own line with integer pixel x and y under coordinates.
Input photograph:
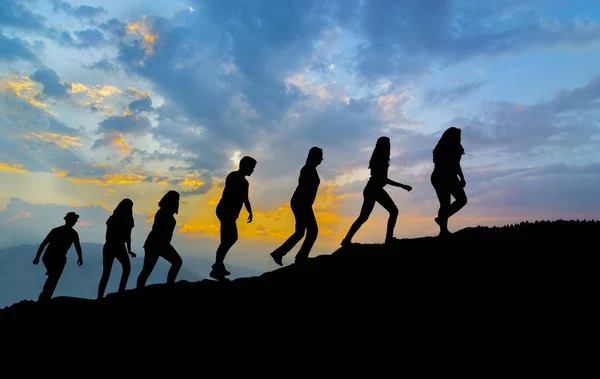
{"type": "Point", "coordinates": [374, 192]}
{"type": "Point", "coordinates": [301, 203]}
{"type": "Point", "coordinates": [447, 177]}
{"type": "Point", "coordinates": [158, 243]}
{"type": "Point", "coordinates": [117, 245]}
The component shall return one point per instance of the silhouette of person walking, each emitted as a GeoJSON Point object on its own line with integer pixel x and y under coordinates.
{"type": "Point", "coordinates": [158, 242]}
{"type": "Point", "coordinates": [374, 192]}
{"type": "Point", "coordinates": [59, 241]}
{"type": "Point", "coordinates": [301, 203]}
{"type": "Point", "coordinates": [117, 245]}
{"type": "Point", "coordinates": [235, 194]}
{"type": "Point", "coordinates": [447, 177]}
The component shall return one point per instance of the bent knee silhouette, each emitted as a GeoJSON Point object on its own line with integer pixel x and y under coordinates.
{"type": "Point", "coordinates": [158, 242]}
{"type": "Point", "coordinates": [58, 243]}
{"type": "Point", "coordinates": [234, 196]}
{"type": "Point", "coordinates": [375, 193]}
{"type": "Point", "coordinates": [301, 204]}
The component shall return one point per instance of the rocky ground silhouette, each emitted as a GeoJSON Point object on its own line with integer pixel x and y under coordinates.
{"type": "Point", "coordinates": [518, 288]}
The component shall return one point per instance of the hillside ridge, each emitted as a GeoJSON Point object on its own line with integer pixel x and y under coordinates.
{"type": "Point", "coordinates": [520, 275]}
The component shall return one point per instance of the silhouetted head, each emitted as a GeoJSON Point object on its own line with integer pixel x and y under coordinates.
{"type": "Point", "coordinates": [170, 202]}
{"type": "Point", "coordinates": [449, 143]}
{"type": "Point", "coordinates": [71, 219]}
{"type": "Point", "coordinates": [315, 156]}
{"type": "Point", "coordinates": [247, 165]}
{"type": "Point", "coordinates": [381, 153]}
{"type": "Point", "coordinates": [124, 211]}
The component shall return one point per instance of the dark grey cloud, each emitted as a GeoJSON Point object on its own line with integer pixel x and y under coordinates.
{"type": "Point", "coordinates": [84, 12]}
{"type": "Point", "coordinates": [114, 27]}
{"type": "Point", "coordinates": [142, 105]}
{"type": "Point", "coordinates": [83, 39]}
{"type": "Point", "coordinates": [15, 15]}
{"type": "Point", "coordinates": [90, 37]}
{"type": "Point", "coordinates": [129, 124]}
{"type": "Point", "coordinates": [13, 49]}
{"type": "Point", "coordinates": [404, 37]}
{"type": "Point", "coordinates": [58, 127]}
{"type": "Point", "coordinates": [104, 64]}
{"type": "Point", "coordinates": [51, 82]}
{"type": "Point", "coordinates": [136, 123]}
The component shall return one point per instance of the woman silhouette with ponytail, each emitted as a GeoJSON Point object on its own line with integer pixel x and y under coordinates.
{"type": "Point", "coordinates": [117, 245]}
{"type": "Point", "coordinates": [374, 192]}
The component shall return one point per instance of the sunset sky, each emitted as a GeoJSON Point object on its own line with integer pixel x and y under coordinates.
{"type": "Point", "coordinates": [105, 99]}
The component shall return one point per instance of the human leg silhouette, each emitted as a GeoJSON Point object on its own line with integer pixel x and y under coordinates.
{"type": "Point", "coordinates": [301, 216]}
{"type": "Point", "coordinates": [54, 270]}
{"type": "Point", "coordinates": [448, 208]}
{"type": "Point", "coordinates": [443, 195]}
{"type": "Point", "coordinates": [312, 230]}
{"type": "Point", "coordinates": [150, 259]}
{"type": "Point", "coordinates": [229, 236]}
{"type": "Point", "coordinates": [172, 256]}
{"type": "Point", "coordinates": [107, 262]}
{"type": "Point", "coordinates": [123, 258]}
{"type": "Point", "coordinates": [365, 212]}
{"type": "Point", "coordinates": [384, 199]}
{"type": "Point", "coordinates": [460, 200]}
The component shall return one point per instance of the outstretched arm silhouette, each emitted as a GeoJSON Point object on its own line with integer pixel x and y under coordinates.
{"type": "Point", "coordinates": [78, 250]}
{"type": "Point", "coordinates": [396, 184]}
{"type": "Point", "coordinates": [248, 208]}
{"type": "Point", "coordinates": [45, 242]}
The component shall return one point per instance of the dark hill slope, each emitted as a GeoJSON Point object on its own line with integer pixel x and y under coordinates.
{"type": "Point", "coordinates": [531, 282]}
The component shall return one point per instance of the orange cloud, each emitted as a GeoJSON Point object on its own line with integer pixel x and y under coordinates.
{"type": "Point", "coordinates": [115, 139]}
{"type": "Point", "coordinates": [142, 28]}
{"type": "Point", "coordinates": [120, 144]}
{"type": "Point", "coordinates": [112, 179]}
{"type": "Point", "coordinates": [107, 179]}
{"type": "Point", "coordinates": [18, 216]}
{"type": "Point", "coordinates": [137, 93]}
{"type": "Point", "coordinates": [91, 205]}
{"type": "Point", "coordinates": [12, 167]}
{"type": "Point", "coordinates": [59, 173]}
{"type": "Point", "coordinates": [61, 140]}
{"type": "Point", "coordinates": [95, 96]}
{"type": "Point", "coordinates": [24, 88]}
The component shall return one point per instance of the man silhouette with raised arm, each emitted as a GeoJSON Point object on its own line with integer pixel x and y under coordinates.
{"type": "Point", "coordinates": [59, 241]}
{"type": "Point", "coordinates": [235, 195]}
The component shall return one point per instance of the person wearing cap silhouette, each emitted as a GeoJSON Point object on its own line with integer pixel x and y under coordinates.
{"type": "Point", "coordinates": [59, 241]}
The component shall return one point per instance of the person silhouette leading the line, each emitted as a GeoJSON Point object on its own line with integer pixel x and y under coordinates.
{"type": "Point", "coordinates": [447, 177]}
{"type": "Point", "coordinates": [59, 241]}
{"type": "Point", "coordinates": [235, 195]}
{"type": "Point", "coordinates": [301, 203]}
